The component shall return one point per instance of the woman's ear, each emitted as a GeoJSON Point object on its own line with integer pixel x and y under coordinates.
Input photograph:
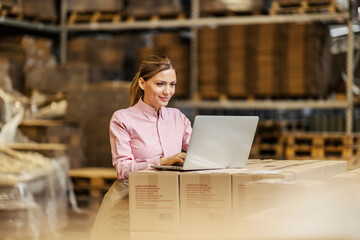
{"type": "Point", "coordinates": [141, 83]}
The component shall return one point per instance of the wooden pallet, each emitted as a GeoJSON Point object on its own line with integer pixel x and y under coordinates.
{"type": "Point", "coordinates": [301, 6]}
{"type": "Point", "coordinates": [323, 140]}
{"type": "Point", "coordinates": [155, 17]}
{"type": "Point", "coordinates": [91, 184]}
{"type": "Point", "coordinates": [269, 138]}
{"type": "Point", "coordinates": [93, 17]}
{"type": "Point", "coordinates": [267, 151]}
{"type": "Point", "coordinates": [229, 13]}
{"type": "Point", "coordinates": [319, 153]}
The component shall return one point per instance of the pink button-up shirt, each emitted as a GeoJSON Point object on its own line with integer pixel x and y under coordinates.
{"type": "Point", "coordinates": [139, 137]}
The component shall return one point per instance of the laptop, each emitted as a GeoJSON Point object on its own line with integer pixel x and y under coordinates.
{"type": "Point", "coordinates": [218, 142]}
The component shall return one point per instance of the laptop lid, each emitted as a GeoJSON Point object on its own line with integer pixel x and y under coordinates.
{"type": "Point", "coordinates": [220, 142]}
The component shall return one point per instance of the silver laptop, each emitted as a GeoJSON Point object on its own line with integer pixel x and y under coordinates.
{"type": "Point", "coordinates": [218, 142]}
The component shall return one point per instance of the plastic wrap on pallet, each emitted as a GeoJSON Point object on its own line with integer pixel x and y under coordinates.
{"type": "Point", "coordinates": [139, 8]}
{"type": "Point", "coordinates": [33, 194]}
{"type": "Point", "coordinates": [214, 6]}
{"type": "Point", "coordinates": [95, 5]}
{"type": "Point", "coordinates": [13, 108]}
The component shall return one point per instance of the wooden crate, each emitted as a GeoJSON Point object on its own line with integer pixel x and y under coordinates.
{"type": "Point", "coordinates": [91, 184]}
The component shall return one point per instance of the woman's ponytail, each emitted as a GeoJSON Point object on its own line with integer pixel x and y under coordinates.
{"type": "Point", "coordinates": [135, 91]}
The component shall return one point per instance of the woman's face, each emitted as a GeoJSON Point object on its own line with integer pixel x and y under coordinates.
{"type": "Point", "coordinates": [159, 89]}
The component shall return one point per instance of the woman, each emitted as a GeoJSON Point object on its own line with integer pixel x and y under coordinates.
{"type": "Point", "coordinates": [145, 134]}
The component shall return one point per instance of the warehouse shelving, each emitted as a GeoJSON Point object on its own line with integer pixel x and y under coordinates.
{"type": "Point", "coordinates": [195, 22]}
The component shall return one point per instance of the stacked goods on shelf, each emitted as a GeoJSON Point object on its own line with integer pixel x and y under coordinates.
{"type": "Point", "coordinates": [94, 10]}
{"type": "Point", "coordinates": [58, 133]}
{"type": "Point", "coordinates": [173, 46]}
{"type": "Point", "coordinates": [33, 195]}
{"type": "Point", "coordinates": [95, 5]}
{"type": "Point", "coordinates": [209, 67]}
{"type": "Point", "coordinates": [282, 60]}
{"type": "Point", "coordinates": [24, 54]}
{"type": "Point", "coordinates": [149, 8]}
{"type": "Point", "coordinates": [263, 60]}
{"type": "Point", "coordinates": [114, 96]}
{"type": "Point", "coordinates": [91, 184]}
{"type": "Point", "coordinates": [328, 121]}
{"type": "Point", "coordinates": [40, 10]}
{"type": "Point", "coordinates": [233, 70]}
{"type": "Point", "coordinates": [105, 55]}
{"type": "Point", "coordinates": [306, 60]}
{"type": "Point", "coordinates": [225, 6]}
{"type": "Point", "coordinates": [70, 83]}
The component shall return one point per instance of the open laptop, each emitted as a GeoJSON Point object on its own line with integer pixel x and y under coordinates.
{"type": "Point", "coordinates": [218, 142]}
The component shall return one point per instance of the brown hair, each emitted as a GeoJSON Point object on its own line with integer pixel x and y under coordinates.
{"type": "Point", "coordinates": [151, 65]}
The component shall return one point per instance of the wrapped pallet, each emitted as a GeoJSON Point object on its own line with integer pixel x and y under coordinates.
{"type": "Point", "coordinates": [33, 194]}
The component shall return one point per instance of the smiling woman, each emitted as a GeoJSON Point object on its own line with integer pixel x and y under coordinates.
{"type": "Point", "coordinates": [146, 133]}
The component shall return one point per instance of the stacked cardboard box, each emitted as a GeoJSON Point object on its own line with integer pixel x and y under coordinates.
{"type": "Point", "coordinates": [176, 48]}
{"type": "Point", "coordinates": [23, 54]}
{"type": "Point", "coordinates": [212, 202]}
{"type": "Point", "coordinates": [114, 96]}
{"type": "Point", "coordinates": [266, 81]}
{"type": "Point", "coordinates": [210, 47]}
{"type": "Point", "coordinates": [138, 8]}
{"type": "Point", "coordinates": [40, 9]}
{"type": "Point", "coordinates": [95, 5]}
{"type": "Point", "coordinates": [105, 55]}
{"type": "Point", "coordinates": [234, 65]}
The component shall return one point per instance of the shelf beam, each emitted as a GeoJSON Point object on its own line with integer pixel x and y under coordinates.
{"type": "Point", "coordinates": [208, 22]}
{"type": "Point", "coordinates": [262, 104]}
{"type": "Point", "coordinates": [45, 27]}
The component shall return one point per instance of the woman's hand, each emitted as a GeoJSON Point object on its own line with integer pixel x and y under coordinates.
{"type": "Point", "coordinates": [176, 159]}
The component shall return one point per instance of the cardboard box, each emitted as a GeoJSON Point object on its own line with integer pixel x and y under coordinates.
{"type": "Point", "coordinates": [205, 201]}
{"type": "Point", "coordinates": [269, 193]}
{"type": "Point", "coordinates": [154, 201]}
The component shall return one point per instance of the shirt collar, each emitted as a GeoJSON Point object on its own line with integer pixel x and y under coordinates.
{"type": "Point", "coordinates": [148, 110]}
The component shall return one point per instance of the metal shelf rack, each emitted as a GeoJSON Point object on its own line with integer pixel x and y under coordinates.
{"type": "Point", "coordinates": [195, 22]}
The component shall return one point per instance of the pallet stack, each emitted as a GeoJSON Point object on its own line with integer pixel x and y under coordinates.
{"type": "Point", "coordinates": [323, 146]}
{"type": "Point", "coordinates": [268, 141]}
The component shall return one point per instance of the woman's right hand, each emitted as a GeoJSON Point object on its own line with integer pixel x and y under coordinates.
{"type": "Point", "coordinates": [176, 159]}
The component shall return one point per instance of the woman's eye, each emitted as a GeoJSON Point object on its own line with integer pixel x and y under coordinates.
{"type": "Point", "coordinates": [159, 84]}
{"type": "Point", "coordinates": [172, 84]}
